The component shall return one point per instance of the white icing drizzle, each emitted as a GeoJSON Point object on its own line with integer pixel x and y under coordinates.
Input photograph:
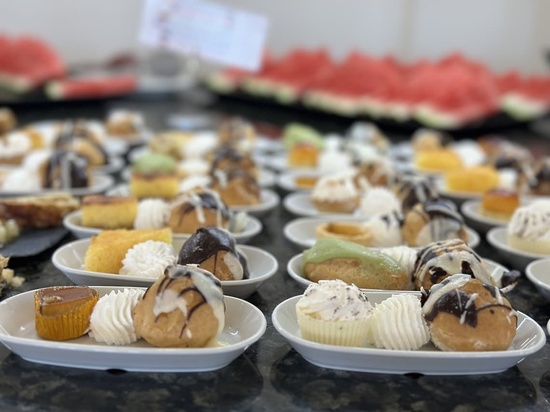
{"type": "Point", "coordinates": [440, 289]}
{"type": "Point", "coordinates": [234, 266]}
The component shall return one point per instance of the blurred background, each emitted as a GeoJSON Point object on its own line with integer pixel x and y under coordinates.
{"type": "Point", "coordinates": [504, 34]}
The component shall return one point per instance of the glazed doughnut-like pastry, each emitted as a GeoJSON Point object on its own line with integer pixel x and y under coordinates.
{"type": "Point", "coordinates": [353, 263]}
{"type": "Point", "coordinates": [183, 308]}
{"type": "Point", "coordinates": [433, 221]}
{"type": "Point", "coordinates": [214, 250]}
{"type": "Point", "coordinates": [465, 314]}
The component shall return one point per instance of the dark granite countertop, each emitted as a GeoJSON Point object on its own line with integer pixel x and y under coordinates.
{"type": "Point", "coordinates": [269, 375]}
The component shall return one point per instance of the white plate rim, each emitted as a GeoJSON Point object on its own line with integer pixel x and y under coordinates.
{"type": "Point", "coordinates": [494, 239]}
{"type": "Point", "coordinates": [292, 203]}
{"type": "Point", "coordinates": [252, 227]}
{"type": "Point", "coordinates": [545, 262]}
{"type": "Point", "coordinates": [469, 209]}
{"type": "Point", "coordinates": [129, 351]}
{"type": "Point", "coordinates": [427, 357]}
{"type": "Point", "coordinates": [269, 200]}
{"type": "Point", "coordinates": [286, 179]}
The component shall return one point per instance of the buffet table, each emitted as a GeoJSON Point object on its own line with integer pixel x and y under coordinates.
{"type": "Point", "coordinates": [270, 375]}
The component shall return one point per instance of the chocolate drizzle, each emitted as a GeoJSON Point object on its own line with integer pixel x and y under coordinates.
{"type": "Point", "coordinates": [207, 242]}
{"type": "Point", "coordinates": [462, 305]}
{"type": "Point", "coordinates": [207, 200]}
{"type": "Point", "coordinates": [413, 189]}
{"type": "Point", "coordinates": [65, 170]}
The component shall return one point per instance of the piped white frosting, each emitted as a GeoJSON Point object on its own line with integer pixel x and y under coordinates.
{"type": "Point", "coordinates": [148, 259]}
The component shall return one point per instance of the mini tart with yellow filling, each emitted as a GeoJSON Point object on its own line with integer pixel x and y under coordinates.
{"type": "Point", "coordinates": [499, 204]}
{"type": "Point", "coordinates": [63, 312]}
{"type": "Point", "coordinates": [352, 232]}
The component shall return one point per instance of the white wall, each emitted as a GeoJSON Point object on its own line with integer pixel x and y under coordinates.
{"type": "Point", "coordinates": [503, 33]}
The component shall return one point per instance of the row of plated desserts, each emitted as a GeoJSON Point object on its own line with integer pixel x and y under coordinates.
{"type": "Point", "coordinates": [408, 238]}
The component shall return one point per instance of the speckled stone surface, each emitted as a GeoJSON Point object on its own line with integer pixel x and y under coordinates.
{"type": "Point", "coordinates": [270, 375]}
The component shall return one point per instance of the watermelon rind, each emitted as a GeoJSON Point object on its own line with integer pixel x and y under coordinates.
{"type": "Point", "coordinates": [522, 108]}
{"type": "Point", "coordinates": [15, 84]}
{"type": "Point", "coordinates": [221, 83]}
{"type": "Point", "coordinates": [438, 119]}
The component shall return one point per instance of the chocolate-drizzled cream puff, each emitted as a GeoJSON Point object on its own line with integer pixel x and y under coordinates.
{"type": "Point", "coordinates": [183, 308]}
{"type": "Point", "coordinates": [236, 187]}
{"type": "Point", "coordinates": [214, 250]}
{"type": "Point", "coordinates": [464, 314]}
{"type": "Point", "coordinates": [432, 221]}
{"type": "Point", "coordinates": [411, 190]}
{"type": "Point", "coordinates": [64, 170]}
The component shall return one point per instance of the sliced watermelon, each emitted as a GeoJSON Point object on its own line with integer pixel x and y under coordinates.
{"type": "Point", "coordinates": [27, 62]}
{"type": "Point", "coordinates": [91, 87]}
{"type": "Point", "coordinates": [524, 98]}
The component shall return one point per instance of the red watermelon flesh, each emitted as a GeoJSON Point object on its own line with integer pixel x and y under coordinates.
{"type": "Point", "coordinates": [91, 87]}
{"type": "Point", "coordinates": [27, 62]}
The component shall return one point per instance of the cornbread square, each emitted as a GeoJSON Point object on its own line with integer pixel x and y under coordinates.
{"type": "Point", "coordinates": [158, 185]}
{"type": "Point", "coordinates": [108, 249]}
{"type": "Point", "coordinates": [109, 212]}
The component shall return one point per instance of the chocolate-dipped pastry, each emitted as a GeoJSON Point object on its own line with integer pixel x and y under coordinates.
{"type": "Point", "coordinates": [228, 158]}
{"type": "Point", "coordinates": [535, 180]}
{"type": "Point", "coordinates": [214, 250]}
{"type": "Point", "coordinates": [236, 186]}
{"type": "Point", "coordinates": [183, 308]}
{"type": "Point", "coordinates": [76, 137]}
{"type": "Point", "coordinates": [238, 133]}
{"type": "Point", "coordinates": [432, 221]}
{"type": "Point", "coordinates": [464, 314]}
{"type": "Point", "coordinates": [64, 170]}
{"type": "Point", "coordinates": [414, 189]}
{"type": "Point", "coordinates": [192, 210]}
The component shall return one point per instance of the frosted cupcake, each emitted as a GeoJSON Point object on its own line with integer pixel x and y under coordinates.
{"type": "Point", "coordinates": [335, 194]}
{"type": "Point", "coordinates": [335, 313]}
{"type": "Point", "coordinates": [529, 228]}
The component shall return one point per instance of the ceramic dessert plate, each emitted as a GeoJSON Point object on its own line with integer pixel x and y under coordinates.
{"type": "Point", "coordinates": [113, 165]}
{"type": "Point", "coordinates": [518, 259]}
{"type": "Point", "coordinates": [288, 180]}
{"type": "Point", "coordinates": [300, 204]}
{"type": "Point", "coordinates": [268, 201]}
{"type": "Point", "coordinates": [69, 259]}
{"type": "Point", "coordinates": [100, 184]}
{"type": "Point", "coordinates": [539, 275]}
{"type": "Point", "coordinates": [301, 231]}
{"type": "Point", "coordinates": [73, 222]}
{"type": "Point", "coordinates": [294, 270]}
{"type": "Point", "coordinates": [244, 325]}
{"type": "Point", "coordinates": [428, 360]}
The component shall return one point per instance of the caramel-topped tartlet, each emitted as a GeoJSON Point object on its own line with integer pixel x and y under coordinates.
{"type": "Point", "coordinates": [63, 312]}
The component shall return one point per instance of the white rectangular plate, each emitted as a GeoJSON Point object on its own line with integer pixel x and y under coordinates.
{"type": "Point", "coordinates": [244, 325]}
{"type": "Point", "coordinates": [428, 360]}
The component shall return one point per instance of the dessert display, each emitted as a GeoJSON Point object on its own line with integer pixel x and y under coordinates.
{"type": "Point", "coordinates": [333, 312]}
{"type": "Point", "coordinates": [353, 263]}
{"type": "Point", "coordinates": [238, 133]}
{"type": "Point", "coordinates": [63, 313]}
{"type": "Point", "coordinates": [536, 181]}
{"type": "Point", "coordinates": [65, 170]}
{"type": "Point", "coordinates": [477, 179]}
{"type": "Point", "coordinates": [183, 308]}
{"type": "Point", "coordinates": [38, 211]}
{"type": "Point", "coordinates": [397, 323]}
{"type": "Point", "coordinates": [109, 212]}
{"type": "Point", "coordinates": [499, 204]}
{"type": "Point", "coordinates": [9, 230]}
{"type": "Point", "coordinates": [148, 259]}
{"type": "Point", "coordinates": [108, 249]}
{"type": "Point", "coordinates": [195, 209]}
{"type": "Point", "coordinates": [428, 139]}
{"type": "Point", "coordinates": [7, 120]}
{"type": "Point", "coordinates": [335, 194]}
{"type": "Point", "coordinates": [437, 160]}
{"type": "Point", "coordinates": [529, 228]}
{"type": "Point", "coordinates": [303, 144]}
{"type": "Point", "coordinates": [464, 314]}
{"type": "Point", "coordinates": [8, 279]}
{"type": "Point", "coordinates": [228, 158]}
{"type": "Point", "coordinates": [432, 221]}
{"type": "Point", "coordinates": [111, 321]}
{"type": "Point", "coordinates": [214, 250]}
{"type": "Point", "coordinates": [154, 175]}
{"type": "Point", "coordinates": [236, 187]}
{"type": "Point", "coordinates": [412, 189]}
{"type": "Point", "coordinates": [124, 123]}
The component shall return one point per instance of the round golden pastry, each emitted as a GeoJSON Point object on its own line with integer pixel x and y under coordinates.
{"type": "Point", "coordinates": [352, 232]}
{"type": "Point", "coordinates": [470, 316]}
{"type": "Point", "coordinates": [183, 308]}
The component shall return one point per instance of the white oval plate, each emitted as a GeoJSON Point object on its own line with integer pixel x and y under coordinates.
{"type": "Point", "coordinates": [294, 270]}
{"type": "Point", "coordinates": [69, 259]}
{"type": "Point", "coordinates": [518, 259]}
{"type": "Point", "coordinates": [299, 203]}
{"type": "Point", "coordinates": [100, 184]}
{"type": "Point", "coordinates": [301, 231]}
{"type": "Point", "coordinates": [73, 222]}
{"type": "Point", "coordinates": [114, 165]}
{"type": "Point", "coordinates": [244, 325]}
{"type": "Point", "coordinates": [287, 180]}
{"type": "Point", "coordinates": [539, 275]}
{"type": "Point", "coordinates": [529, 339]}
